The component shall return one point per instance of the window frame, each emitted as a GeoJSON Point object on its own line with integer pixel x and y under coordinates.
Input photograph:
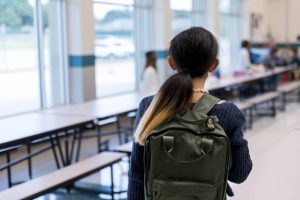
{"type": "Point", "coordinates": [37, 14]}
{"type": "Point", "coordinates": [141, 9]}
{"type": "Point", "coordinates": [234, 15]}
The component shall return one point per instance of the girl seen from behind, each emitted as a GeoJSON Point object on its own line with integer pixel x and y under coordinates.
{"type": "Point", "coordinates": [193, 53]}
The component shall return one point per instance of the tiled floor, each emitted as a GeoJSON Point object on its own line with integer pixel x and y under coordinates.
{"type": "Point", "coordinates": [275, 150]}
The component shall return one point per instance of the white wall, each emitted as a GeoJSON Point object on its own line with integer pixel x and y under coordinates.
{"type": "Point", "coordinates": [281, 17]}
{"type": "Point", "coordinates": [293, 19]}
{"type": "Point", "coordinates": [81, 37]}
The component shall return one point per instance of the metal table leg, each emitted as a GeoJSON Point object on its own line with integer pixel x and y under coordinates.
{"type": "Point", "coordinates": [29, 161]}
{"type": "Point", "coordinates": [273, 108]}
{"type": "Point", "coordinates": [79, 145]}
{"type": "Point", "coordinates": [54, 152]}
{"type": "Point", "coordinates": [112, 182]}
{"type": "Point", "coordinates": [8, 170]}
{"type": "Point", "coordinates": [119, 130]}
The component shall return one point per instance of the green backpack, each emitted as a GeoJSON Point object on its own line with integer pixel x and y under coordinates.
{"type": "Point", "coordinates": [187, 157]}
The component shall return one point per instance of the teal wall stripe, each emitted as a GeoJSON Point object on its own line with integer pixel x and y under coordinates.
{"type": "Point", "coordinates": [82, 61]}
{"type": "Point", "coordinates": [161, 54]}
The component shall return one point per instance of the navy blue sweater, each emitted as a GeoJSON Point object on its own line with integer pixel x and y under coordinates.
{"type": "Point", "coordinates": [230, 118]}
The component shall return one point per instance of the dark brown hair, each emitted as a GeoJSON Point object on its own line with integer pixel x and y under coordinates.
{"type": "Point", "coordinates": [193, 51]}
{"type": "Point", "coordinates": [150, 55]}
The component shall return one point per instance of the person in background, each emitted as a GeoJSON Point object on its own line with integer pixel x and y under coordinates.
{"type": "Point", "coordinates": [245, 56]}
{"type": "Point", "coordinates": [150, 81]}
{"type": "Point", "coordinates": [274, 60]}
{"type": "Point", "coordinates": [295, 60]}
{"type": "Point", "coordinates": [271, 83]}
{"type": "Point", "coordinates": [245, 90]}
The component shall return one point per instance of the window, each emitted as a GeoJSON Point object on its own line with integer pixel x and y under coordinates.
{"type": "Point", "coordinates": [54, 53]}
{"type": "Point", "coordinates": [114, 47]}
{"type": "Point", "coordinates": [181, 15]}
{"type": "Point", "coordinates": [230, 33]}
{"type": "Point", "coordinates": [19, 75]}
{"type": "Point", "coordinates": [199, 12]}
{"type": "Point", "coordinates": [144, 41]}
{"type": "Point", "coordinates": [25, 55]}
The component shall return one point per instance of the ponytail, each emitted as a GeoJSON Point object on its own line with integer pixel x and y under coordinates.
{"type": "Point", "coordinates": [174, 96]}
{"type": "Point", "coordinates": [193, 52]}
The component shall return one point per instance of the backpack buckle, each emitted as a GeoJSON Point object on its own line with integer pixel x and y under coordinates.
{"type": "Point", "coordinates": [211, 123]}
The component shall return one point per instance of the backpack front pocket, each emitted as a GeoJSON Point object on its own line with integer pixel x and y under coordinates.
{"type": "Point", "coordinates": [182, 190]}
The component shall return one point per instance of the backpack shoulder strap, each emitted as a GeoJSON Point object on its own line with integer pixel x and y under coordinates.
{"type": "Point", "coordinates": [205, 104]}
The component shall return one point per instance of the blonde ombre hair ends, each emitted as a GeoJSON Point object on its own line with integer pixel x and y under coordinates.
{"type": "Point", "coordinates": [149, 121]}
{"type": "Point", "coordinates": [174, 96]}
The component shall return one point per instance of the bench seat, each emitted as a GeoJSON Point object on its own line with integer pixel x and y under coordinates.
{"type": "Point", "coordinates": [244, 105]}
{"type": "Point", "coordinates": [125, 148]}
{"type": "Point", "coordinates": [289, 87]}
{"type": "Point", "coordinates": [264, 97]}
{"type": "Point", "coordinates": [62, 177]}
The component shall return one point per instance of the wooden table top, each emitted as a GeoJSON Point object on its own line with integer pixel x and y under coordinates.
{"type": "Point", "coordinates": [103, 107]}
{"type": "Point", "coordinates": [236, 80]}
{"type": "Point", "coordinates": [114, 105]}
{"type": "Point", "coordinates": [35, 124]}
{"type": "Point", "coordinates": [32, 125]}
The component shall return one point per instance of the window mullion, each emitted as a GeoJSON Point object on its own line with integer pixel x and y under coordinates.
{"type": "Point", "coordinates": [40, 54]}
{"type": "Point", "coordinates": [64, 53]}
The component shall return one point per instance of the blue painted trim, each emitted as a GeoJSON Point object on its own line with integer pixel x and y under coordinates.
{"type": "Point", "coordinates": [82, 61]}
{"type": "Point", "coordinates": [161, 54]}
